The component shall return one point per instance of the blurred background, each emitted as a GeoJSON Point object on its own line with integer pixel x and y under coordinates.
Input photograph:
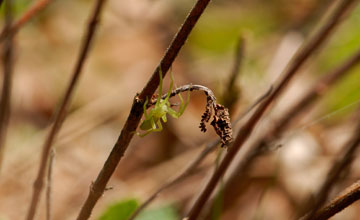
{"type": "Point", "coordinates": [132, 37]}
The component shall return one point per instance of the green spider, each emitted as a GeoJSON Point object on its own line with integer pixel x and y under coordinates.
{"type": "Point", "coordinates": [152, 121]}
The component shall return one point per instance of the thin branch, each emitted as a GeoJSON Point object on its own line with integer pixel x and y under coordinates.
{"type": "Point", "coordinates": [136, 112]}
{"type": "Point", "coordinates": [338, 167]}
{"type": "Point", "coordinates": [210, 147]}
{"type": "Point", "coordinates": [61, 113]}
{"type": "Point", "coordinates": [232, 93]}
{"type": "Point", "coordinates": [261, 146]}
{"type": "Point", "coordinates": [48, 202]}
{"type": "Point", "coordinates": [304, 53]}
{"type": "Point", "coordinates": [29, 14]}
{"type": "Point", "coordinates": [190, 88]}
{"type": "Point", "coordinates": [345, 199]}
{"type": "Point", "coordinates": [187, 172]}
{"type": "Point", "coordinates": [7, 57]}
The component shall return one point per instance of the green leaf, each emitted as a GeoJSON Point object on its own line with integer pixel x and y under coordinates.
{"type": "Point", "coordinates": [121, 210]}
{"type": "Point", "coordinates": [167, 212]}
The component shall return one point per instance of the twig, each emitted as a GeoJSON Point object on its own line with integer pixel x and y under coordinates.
{"type": "Point", "coordinates": [263, 144]}
{"type": "Point", "coordinates": [190, 88]}
{"type": "Point", "coordinates": [345, 199]}
{"type": "Point", "coordinates": [314, 43]}
{"type": "Point", "coordinates": [49, 186]}
{"type": "Point", "coordinates": [136, 112]}
{"type": "Point", "coordinates": [7, 58]}
{"type": "Point", "coordinates": [188, 171]}
{"type": "Point", "coordinates": [232, 93]}
{"type": "Point", "coordinates": [38, 6]}
{"type": "Point", "coordinates": [338, 167]}
{"type": "Point", "coordinates": [210, 147]}
{"type": "Point", "coordinates": [61, 113]}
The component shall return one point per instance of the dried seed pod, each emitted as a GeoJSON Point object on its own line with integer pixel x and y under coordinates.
{"type": "Point", "coordinates": [222, 125]}
{"type": "Point", "coordinates": [208, 112]}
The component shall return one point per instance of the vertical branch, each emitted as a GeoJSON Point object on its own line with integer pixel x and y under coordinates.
{"type": "Point", "coordinates": [303, 54]}
{"type": "Point", "coordinates": [232, 93]}
{"type": "Point", "coordinates": [48, 202]}
{"type": "Point", "coordinates": [98, 187]}
{"type": "Point", "coordinates": [60, 115]}
{"type": "Point", "coordinates": [7, 58]}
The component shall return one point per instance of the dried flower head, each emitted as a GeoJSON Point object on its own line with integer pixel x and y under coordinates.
{"type": "Point", "coordinates": [222, 125]}
{"type": "Point", "coordinates": [220, 122]}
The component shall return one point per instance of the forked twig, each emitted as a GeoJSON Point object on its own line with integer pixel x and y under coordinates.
{"type": "Point", "coordinates": [7, 57]}
{"type": "Point", "coordinates": [61, 113]}
{"type": "Point", "coordinates": [98, 187]}
{"type": "Point", "coordinates": [34, 9]}
{"type": "Point", "coordinates": [303, 54]}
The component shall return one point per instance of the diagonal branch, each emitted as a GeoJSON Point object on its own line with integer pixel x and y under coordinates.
{"type": "Point", "coordinates": [61, 114]}
{"type": "Point", "coordinates": [345, 199]}
{"type": "Point", "coordinates": [262, 145]}
{"type": "Point", "coordinates": [98, 187]}
{"type": "Point", "coordinates": [303, 54]}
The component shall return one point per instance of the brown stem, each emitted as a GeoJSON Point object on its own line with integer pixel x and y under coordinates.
{"type": "Point", "coordinates": [188, 171]}
{"type": "Point", "coordinates": [34, 9]}
{"type": "Point", "coordinates": [345, 199]}
{"type": "Point", "coordinates": [190, 88]}
{"type": "Point", "coordinates": [303, 54]}
{"type": "Point", "coordinates": [262, 145]}
{"type": "Point", "coordinates": [7, 58]}
{"type": "Point", "coordinates": [136, 112]}
{"type": "Point", "coordinates": [338, 167]}
{"type": "Point", "coordinates": [48, 202]}
{"type": "Point", "coordinates": [61, 113]}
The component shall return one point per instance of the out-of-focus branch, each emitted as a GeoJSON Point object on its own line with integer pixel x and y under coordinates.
{"type": "Point", "coordinates": [187, 172]}
{"type": "Point", "coordinates": [48, 202]}
{"type": "Point", "coordinates": [29, 14]}
{"type": "Point", "coordinates": [345, 199]}
{"type": "Point", "coordinates": [61, 114]}
{"type": "Point", "coordinates": [7, 58]}
{"type": "Point", "coordinates": [232, 92]}
{"type": "Point", "coordinates": [314, 43]}
{"type": "Point", "coordinates": [323, 85]}
{"type": "Point", "coordinates": [98, 187]}
{"type": "Point", "coordinates": [312, 205]}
